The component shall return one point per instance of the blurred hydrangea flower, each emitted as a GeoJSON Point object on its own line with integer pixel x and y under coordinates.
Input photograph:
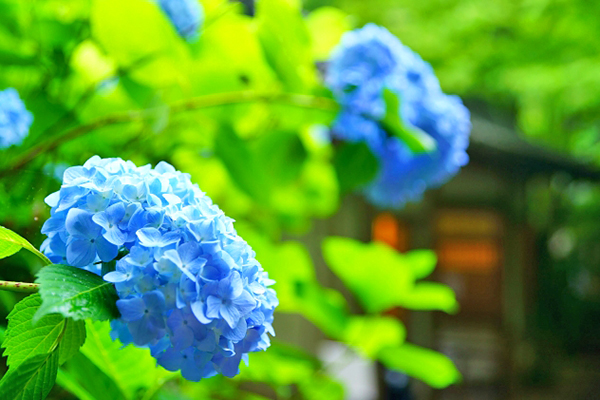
{"type": "Point", "coordinates": [190, 288]}
{"type": "Point", "coordinates": [186, 16]}
{"type": "Point", "coordinates": [15, 120]}
{"type": "Point", "coordinates": [365, 63]}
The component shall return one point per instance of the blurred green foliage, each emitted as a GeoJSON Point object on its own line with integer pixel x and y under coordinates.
{"type": "Point", "coordinates": [238, 110]}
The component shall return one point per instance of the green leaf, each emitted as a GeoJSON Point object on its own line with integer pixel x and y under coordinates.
{"type": "Point", "coordinates": [75, 377]}
{"type": "Point", "coordinates": [11, 243]}
{"type": "Point", "coordinates": [144, 26]}
{"type": "Point", "coordinates": [431, 367]}
{"type": "Point", "coordinates": [431, 296]}
{"type": "Point", "coordinates": [31, 380]}
{"type": "Point", "coordinates": [382, 278]}
{"type": "Point", "coordinates": [73, 338]}
{"type": "Point", "coordinates": [416, 139]}
{"type": "Point", "coordinates": [421, 262]}
{"type": "Point", "coordinates": [280, 25]}
{"type": "Point", "coordinates": [130, 368]}
{"type": "Point", "coordinates": [282, 154]}
{"type": "Point", "coordinates": [24, 340]}
{"type": "Point", "coordinates": [370, 334]}
{"type": "Point", "coordinates": [75, 293]}
{"type": "Point", "coordinates": [242, 164]}
{"type": "Point", "coordinates": [355, 165]}
{"type": "Point", "coordinates": [326, 26]}
{"type": "Point", "coordinates": [297, 287]}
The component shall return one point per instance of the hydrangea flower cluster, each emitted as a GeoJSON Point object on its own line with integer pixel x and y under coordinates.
{"type": "Point", "coordinates": [186, 16]}
{"type": "Point", "coordinates": [365, 63]}
{"type": "Point", "coordinates": [15, 120]}
{"type": "Point", "coordinates": [190, 288]}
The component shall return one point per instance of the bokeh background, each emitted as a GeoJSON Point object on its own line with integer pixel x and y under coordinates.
{"type": "Point", "coordinates": [243, 109]}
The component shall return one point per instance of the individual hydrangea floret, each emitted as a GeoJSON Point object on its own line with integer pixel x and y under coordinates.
{"type": "Point", "coordinates": [369, 61]}
{"type": "Point", "coordinates": [15, 120]}
{"type": "Point", "coordinates": [190, 289]}
{"type": "Point", "coordinates": [186, 16]}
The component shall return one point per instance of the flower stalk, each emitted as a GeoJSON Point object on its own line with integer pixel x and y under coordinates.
{"type": "Point", "coordinates": [19, 287]}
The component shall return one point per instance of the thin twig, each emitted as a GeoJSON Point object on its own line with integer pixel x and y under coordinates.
{"type": "Point", "coordinates": [207, 101]}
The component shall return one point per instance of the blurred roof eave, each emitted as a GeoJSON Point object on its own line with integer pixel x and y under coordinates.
{"type": "Point", "coordinates": [500, 147]}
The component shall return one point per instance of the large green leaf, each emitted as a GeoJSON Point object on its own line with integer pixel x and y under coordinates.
{"type": "Point", "coordinates": [130, 368]}
{"type": "Point", "coordinates": [75, 293]}
{"type": "Point", "coordinates": [11, 243]}
{"type": "Point", "coordinates": [31, 380]}
{"type": "Point", "coordinates": [355, 165]}
{"type": "Point", "coordinates": [382, 278]}
{"type": "Point", "coordinates": [23, 339]}
{"type": "Point", "coordinates": [416, 140]}
{"type": "Point", "coordinates": [432, 367]}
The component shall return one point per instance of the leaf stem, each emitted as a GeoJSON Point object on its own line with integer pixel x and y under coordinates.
{"type": "Point", "coordinates": [196, 103]}
{"type": "Point", "coordinates": [20, 287]}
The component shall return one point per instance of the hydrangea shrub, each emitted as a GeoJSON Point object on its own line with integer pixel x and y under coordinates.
{"type": "Point", "coordinates": [369, 61]}
{"type": "Point", "coordinates": [15, 120]}
{"type": "Point", "coordinates": [190, 288]}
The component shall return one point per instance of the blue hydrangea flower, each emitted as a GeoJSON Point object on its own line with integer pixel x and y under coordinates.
{"type": "Point", "coordinates": [186, 16]}
{"type": "Point", "coordinates": [190, 288]}
{"type": "Point", "coordinates": [365, 63]}
{"type": "Point", "coordinates": [15, 120]}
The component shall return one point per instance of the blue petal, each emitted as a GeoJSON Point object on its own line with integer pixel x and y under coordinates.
{"type": "Point", "coordinates": [115, 276]}
{"type": "Point", "coordinates": [142, 332]}
{"type": "Point", "coordinates": [79, 223]}
{"type": "Point", "coordinates": [213, 306]}
{"type": "Point", "coordinates": [106, 250]}
{"type": "Point", "coordinates": [155, 301]}
{"type": "Point", "coordinates": [238, 332]}
{"type": "Point", "coordinates": [171, 359]}
{"type": "Point", "coordinates": [131, 309]}
{"type": "Point", "coordinates": [230, 314]}
{"type": "Point", "coordinates": [149, 237]}
{"type": "Point", "coordinates": [81, 252]}
{"type": "Point", "coordinates": [198, 308]}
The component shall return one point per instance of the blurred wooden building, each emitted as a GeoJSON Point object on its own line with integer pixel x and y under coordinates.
{"type": "Point", "coordinates": [477, 224]}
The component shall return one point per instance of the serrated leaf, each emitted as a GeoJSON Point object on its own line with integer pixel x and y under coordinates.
{"type": "Point", "coordinates": [130, 368]}
{"type": "Point", "coordinates": [417, 140]}
{"type": "Point", "coordinates": [75, 293]}
{"type": "Point", "coordinates": [432, 367]}
{"type": "Point", "coordinates": [11, 243]}
{"type": "Point", "coordinates": [24, 340]}
{"type": "Point", "coordinates": [73, 338]}
{"type": "Point", "coordinates": [31, 380]}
